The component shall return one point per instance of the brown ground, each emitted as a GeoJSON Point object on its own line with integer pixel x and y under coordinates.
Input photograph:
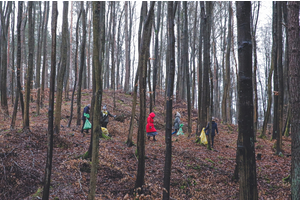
{"type": "Point", "coordinates": [197, 173]}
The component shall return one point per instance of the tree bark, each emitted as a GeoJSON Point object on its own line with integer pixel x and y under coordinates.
{"type": "Point", "coordinates": [48, 169]}
{"type": "Point", "coordinates": [245, 144]}
{"type": "Point", "coordinates": [294, 82]}
{"type": "Point", "coordinates": [127, 56]}
{"type": "Point", "coordinates": [98, 58]}
{"type": "Point", "coordinates": [156, 51]}
{"type": "Point", "coordinates": [29, 72]}
{"type": "Point", "coordinates": [168, 134]}
{"type": "Point", "coordinates": [82, 59]}
{"type": "Point", "coordinates": [61, 72]}
{"type": "Point", "coordinates": [143, 58]}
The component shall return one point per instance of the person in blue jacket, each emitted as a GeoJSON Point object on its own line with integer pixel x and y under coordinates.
{"type": "Point", "coordinates": [214, 129]}
{"type": "Point", "coordinates": [86, 110]}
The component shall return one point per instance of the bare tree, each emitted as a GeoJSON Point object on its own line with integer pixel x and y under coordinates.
{"type": "Point", "coordinates": [62, 70]}
{"type": "Point", "coordinates": [48, 169]}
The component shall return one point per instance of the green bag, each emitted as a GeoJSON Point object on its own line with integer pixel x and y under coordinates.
{"type": "Point", "coordinates": [87, 125]}
{"type": "Point", "coordinates": [86, 115]}
{"type": "Point", "coordinates": [180, 132]}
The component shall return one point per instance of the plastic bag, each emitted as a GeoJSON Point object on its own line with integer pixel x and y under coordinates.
{"type": "Point", "coordinates": [104, 130]}
{"type": "Point", "coordinates": [87, 125]}
{"type": "Point", "coordinates": [203, 137]}
{"type": "Point", "coordinates": [86, 115]}
{"type": "Point", "coordinates": [180, 132]}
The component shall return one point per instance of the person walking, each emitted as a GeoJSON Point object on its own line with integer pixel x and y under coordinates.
{"type": "Point", "coordinates": [105, 114]}
{"type": "Point", "coordinates": [214, 129]}
{"type": "Point", "coordinates": [151, 131]}
{"type": "Point", "coordinates": [85, 116]}
{"type": "Point", "coordinates": [176, 122]}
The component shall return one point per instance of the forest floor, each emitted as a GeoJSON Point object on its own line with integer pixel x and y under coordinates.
{"type": "Point", "coordinates": [197, 173]}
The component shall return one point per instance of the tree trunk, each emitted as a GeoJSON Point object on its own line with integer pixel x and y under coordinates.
{"type": "Point", "coordinates": [275, 79]}
{"type": "Point", "coordinates": [156, 51]}
{"type": "Point", "coordinates": [127, 56]}
{"type": "Point", "coordinates": [194, 55]}
{"type": "Point", "coordinates": [113, 61]}
{"type": "Point", "coordinates": [44, 71]}
{"type": "Point", "coordinates": [4, 42]}
{"type": "Point", "coordinates": [98, 57]}
{"type": "Point", "coordinates": [75, 75]}
{"type": "Point", "coordinates": [82, 59]}
{"type": "Point", "coordinates": [227, 80]}
{"type": "Point", "coordinates": [13, 55]}
{"type": "Point", "coordinates": [294, 82]}
{"type": "Point", "coordinates": [18, 88]}
{"type": "Point", "coordinates": [61, 72]}
{"type": "Point", "coordinates": [245, 145]}
{"type": "Point", "coordinates": [38, 62]}
{"type": "Point", "coordinates": [143, 58]}
{"type": "Point", "coordinates": [29, 71]}
{"type": "Point", "coordinates": [47, 177]}
{"type": "Point", "coordinates": [168, 134]}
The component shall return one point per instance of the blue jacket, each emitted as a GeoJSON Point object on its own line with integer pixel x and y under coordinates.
{"type": "Point", "coordinates": [214, 128]}
{"type": "Point", "coordinates": [85, 110]}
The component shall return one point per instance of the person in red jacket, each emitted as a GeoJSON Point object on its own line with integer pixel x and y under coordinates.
{"type": "Point", "coordinates": [151, 131]}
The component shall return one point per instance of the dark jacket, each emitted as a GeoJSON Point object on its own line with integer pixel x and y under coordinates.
{"type": "Point", "coordinates": [214, 128]}
{"type": "Point", "coordinates": [105, 115]}
{"type": "Point", "coordinates": [85, 110]}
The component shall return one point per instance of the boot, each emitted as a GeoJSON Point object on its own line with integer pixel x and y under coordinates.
{"type": "Point", "coordinates": [154, 138]}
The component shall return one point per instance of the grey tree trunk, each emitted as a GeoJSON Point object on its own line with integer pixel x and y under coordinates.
{"type": "Point", "coordinates": [245, 144]}
{"type": "Point", "coordinates": [143, 58]}
{"type": "Point", "coordinates": [156, 51]}
{"type": "Point", "coordinates": [29, 72]}
{"type": "Point", "coordinates": [98, 60]}
{"type": "Point", "coordinates": [62, 70]}
{"type": "Point", "coordinates": [48, 169]}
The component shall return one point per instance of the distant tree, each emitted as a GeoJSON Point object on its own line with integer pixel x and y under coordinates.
{"type": "Point", "coordinates": [47, 177]}
{"type": "Point", "coordinates": [245, 143]}
{"type": "Point", "coordinates": [29, 72]}
{"type": "Point", "coordinates": [294, 83]}
{"type": "Point", "coordinates": [170, 88]}
{"type": "Point", "coordinates": [62, 70]}
{"type": "Point", "coordinates": [75, 74]}
{"type": "Point", "coordinates": [127, 53]}
{"type": "Point", "coordinates": [13, 71]}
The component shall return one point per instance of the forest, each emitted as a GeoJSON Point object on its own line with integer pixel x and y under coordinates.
{"type": "Point", "coordinates": [229, 67]}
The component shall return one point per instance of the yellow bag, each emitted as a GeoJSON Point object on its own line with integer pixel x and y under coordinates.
{"type": "Point", "coordinates": [104, 130]}
{"type": "Point", "coordinates": [203, 137]}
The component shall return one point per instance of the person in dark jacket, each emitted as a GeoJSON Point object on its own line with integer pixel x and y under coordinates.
{"type": "Point", "coordinates": [86, 110]}
{"type": "Point", "coordinates": [214, 129]}
{"type": "Point", "coordinates": [105, 114]}
{"type": "Point", "coordinates": [176, 122]}
{"type": "Point", "coordinates": [151, 131]}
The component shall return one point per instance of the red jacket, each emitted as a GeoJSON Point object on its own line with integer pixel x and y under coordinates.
{"type": "Point", "coordinates": [150, 125]}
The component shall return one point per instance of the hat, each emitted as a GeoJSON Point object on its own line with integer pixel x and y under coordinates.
{"type": "Point", "coordinates": [89, 105]}
{"type": "Point", "coordinates": [213, 119]}
{"type": "Point", "coordinates": [178, 115]}
{"type": "Point", "coordinates": [104, 107]}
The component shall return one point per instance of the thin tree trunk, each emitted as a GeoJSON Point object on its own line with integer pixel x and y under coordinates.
{"type": "Point", "coordinates": [143, 57]}
{"type": "Point", "coordinates": [98, 57]}
{"type": "Point", "coordinates": [38, 62]}
{"type": "Point", "coordinates": [30, 65]}
{"type": "Point", "coordinates": [62, 70]}
{"type": "Point", "coordinates": [44, 71]}
{"type": "Point", "coordinates": [75, 70]}
{"type": "Point", "coordinates": [13, 55]}
{"type": "Point", "coordinates": [18, 88]}
{"type": "Point", "coordinates": [48, 169]}
{"type": "Point", "coordinates": [168, 134]}
{"type": "Point", "coordinates": [82, 59]}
